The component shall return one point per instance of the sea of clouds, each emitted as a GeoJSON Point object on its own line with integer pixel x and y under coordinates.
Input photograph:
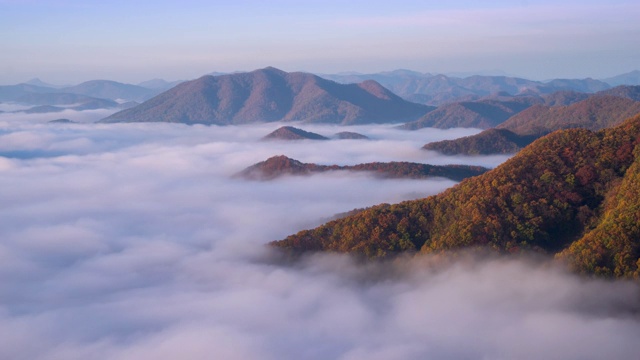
{"type": "Point", "coordinates": [132, 241]}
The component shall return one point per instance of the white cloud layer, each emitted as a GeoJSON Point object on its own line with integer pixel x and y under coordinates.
{"type": "Point", "coordinates": [125, 242]}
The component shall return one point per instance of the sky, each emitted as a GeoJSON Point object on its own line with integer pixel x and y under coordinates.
{"type": "Point", "coordinates": [133, 242]}
{"type": "Point", "coordinates": [70, 41]}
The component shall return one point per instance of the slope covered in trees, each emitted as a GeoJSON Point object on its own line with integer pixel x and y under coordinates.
{"type": "Point", "coordinates": [613, 247]}
{"type": "Point", "coordinates": [559, 195]}
{"type": "Point", "coordinates": [281, 165]}
{"type": "Point", "coordinates": [594, 113]}
{"type": "Point", "coordinates": [492, 141]}
{"type": "Point", "coordinates": [477, 114]}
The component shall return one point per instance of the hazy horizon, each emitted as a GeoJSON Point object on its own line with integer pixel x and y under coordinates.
{"type": "Point", "coordinates": [136, 240]}
{"type": "Point", "coordinates": [169, 80]}
{"type": "Point", "coordinates": [72, 41]}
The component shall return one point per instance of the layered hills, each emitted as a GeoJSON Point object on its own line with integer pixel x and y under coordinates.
{"type": "Point", "coordinates": [594, 113]}
{"type": "Point", "coordinates": [268, 95]}
{"type": "Point", "coordinates": [281, 165]}
{"type": "Point", "coordinates": [491, 141]}
{"type": "Point", "coordinates": [498, 108]}
{"type": "Point", "coordinates": [112, 90]}
{"type": "Point", "coordinates": [604, 109]}
{"type": "Point", "coordinates": [440, 89]}
{"type": "Point", "coordinates": [476, 114]}
{"type": "Point", "coordinates": [568, 194]}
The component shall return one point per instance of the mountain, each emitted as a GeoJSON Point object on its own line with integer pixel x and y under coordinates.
{"type": "Point", "coordinates": [349, 135]}
{"type": "Point", "coordinates": [625, 91]}
{"type": "Point", "coordinates": [471, 114]}
{"type": "Point", "coordinates": [588, 85]}
{"type": "Point", "coordinates": [630, 78]}
{"type": "Point", "coordinates": [64, 99]}
{"type": "Point", "coordinates": [292, 133]}
{"type": "Point", "coordinates": [563, 97]}
{"type": "Point", "coordinates": [572, 194]}
{"type": "Point", "coordinates": [61, 121]}
{"type": "Point", "coordinates": [268, 95]}
{"type": "Point", "coordinates": [41, 109]}
{"type": "Point", "coordinates": [13, 92]}
{"type": "Point", "coordinates": [111, 90]}
{"type": "Point", "coordinates": [281, 165]}
{"type": "Point", "coordinates": [440, 89]}
{"type": "Point", "coordinates": [159, 84]}
{"type": "Point", "coordinates": [491, 141]}
{"type": "Point", "coordinates": [594, 113]}
{"type": "Point", "coordinates": [38, 82]}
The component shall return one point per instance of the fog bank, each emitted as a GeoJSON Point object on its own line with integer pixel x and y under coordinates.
{"type": "Point", "coordinates": [131, 241]}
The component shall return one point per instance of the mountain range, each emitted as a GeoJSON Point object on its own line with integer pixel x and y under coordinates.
{"type": "Point", "coordinates": [573, 194]}
{"type": "Point", "coordinates": [488, 142]}
{"type": "Point", "coordinates": [597, 111]}
{"type": "Point", "coordinates": [440, 89]}
{"type": "Point", "coordinates": [594, 113]}
{"type": "Point", "coordinates": [481, 114]}
{"type": "Point", "coordinates": [268, 95]}
{"type": "Point", "coordinates": [281, 165]}
{"type": "Point", "coordinates": [102, 89]}
{"type": "Point", "coordinates": [501, 108]}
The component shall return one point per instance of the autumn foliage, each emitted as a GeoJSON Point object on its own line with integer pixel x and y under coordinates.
{"type": "Point", "coordinates": [574, 193]}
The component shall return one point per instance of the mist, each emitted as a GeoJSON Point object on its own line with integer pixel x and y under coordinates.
{"type": "Point", "coordinates": [132, 241]}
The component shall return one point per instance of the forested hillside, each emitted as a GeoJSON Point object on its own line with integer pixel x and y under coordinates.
{"type": "Point", "coordinates": [569, 193]}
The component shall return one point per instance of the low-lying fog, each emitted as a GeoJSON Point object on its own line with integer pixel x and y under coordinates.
{"type": "Point", "coordinates": [132, 242]}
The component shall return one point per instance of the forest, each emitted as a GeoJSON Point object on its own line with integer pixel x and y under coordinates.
{"type": "Point", "coordinates": [571, 194]}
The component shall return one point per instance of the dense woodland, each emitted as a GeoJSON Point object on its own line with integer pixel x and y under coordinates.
{"type": "Point", "coordinates": [492, 141]}
{"type": "Point", "coordinates": [594, 113]}
{"type": "Point", "coordinates": [281, 165]}
{"type": "Point", "coordinates": [572, 194]}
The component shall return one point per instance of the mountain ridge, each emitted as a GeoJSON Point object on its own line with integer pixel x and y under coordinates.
{"type": "Point", "coordinates": [281, 165]}
{"type": "Point", "coordinates": [270, 94]}
{"type": "Point", "coordinates": [546, 199]}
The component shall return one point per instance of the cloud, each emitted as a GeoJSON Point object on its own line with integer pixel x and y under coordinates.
{"type": "Point", "coordinates": [135, 243]}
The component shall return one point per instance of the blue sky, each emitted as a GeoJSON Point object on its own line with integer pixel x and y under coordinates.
{"type": "Point", "coordinates": [68, 41]}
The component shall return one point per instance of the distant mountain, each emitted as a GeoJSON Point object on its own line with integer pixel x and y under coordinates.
{"type": "Point", "coordinates": [60, 98]}
{"type": "Point", "coordinates": [38, 82]}
{"type": "Point", "coordinates": [12, 92]}
{"type": "Point", "coordinates": [588, 85]}
{"type": "Point", "coordinates": [268, 95]}
{"type": "Point", "coordinates": [625, 91]}
{"type": "Point", "coordinates": [42, 109]}
{"type": "Point", "coordinates": [438, 90]}
{"type": "Point", "coordinates": [630, 78]}
{"type": "Point", "coordinates": [159, 84]}
{"type": "Point", "coordinates": [292, 133]}
{"type": "Point", "coordinates": [491, 141]}
{"type": "Point", "coordinates": [594, 113]}
{"type": "Point", "coordinates": [61, 121]}
{"type": "Point", "coordinates": [281, 165]}
{"type": "Point", "coordinates": [112, 90]}
{"type": "Point", "coordinates": [348, 135]}
{"type": "Point", "coordinates": [477, 114]}
{"type": "Point", "coordinates": [574, 194]}
{"type": "Point", "coordinates": [563, 97]}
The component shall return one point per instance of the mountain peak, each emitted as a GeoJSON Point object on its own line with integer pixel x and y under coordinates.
{"type": "Point", "coordinates": [270, 94]}
{"type": "Point", "coordinates": [272, 69]}
{"type": "Point", "coordinates": [292, 133]}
